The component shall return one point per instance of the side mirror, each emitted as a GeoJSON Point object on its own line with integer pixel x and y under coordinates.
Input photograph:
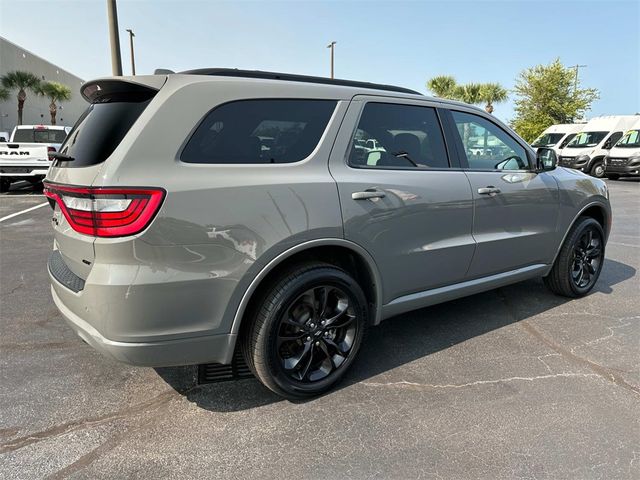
{"type": "Point", "coordinates": [607, 145]}
{"type": "Point", "coordinates": [546, 159]}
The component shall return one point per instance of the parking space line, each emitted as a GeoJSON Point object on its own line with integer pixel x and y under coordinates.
{"type": "Point", "coordinates": [23, 211]}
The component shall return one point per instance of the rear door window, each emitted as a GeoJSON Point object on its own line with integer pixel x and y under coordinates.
{"type": "Point", "coordinates": [100, 130]}
{"type": "Point", "coordinates": [398, 136]}
{"type": "Point", "coordinates": [259, 131]}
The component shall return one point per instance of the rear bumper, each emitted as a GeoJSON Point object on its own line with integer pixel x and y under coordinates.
{"type": "Point", "coordinates": [185, 351]}
{"type": "Point", "coordinates": [75, 301]}
{"type": "Point", "coordinates": [24, 170]}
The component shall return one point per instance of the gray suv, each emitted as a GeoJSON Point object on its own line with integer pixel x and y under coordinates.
{"type": "Point", "coordinates": [210, 211]}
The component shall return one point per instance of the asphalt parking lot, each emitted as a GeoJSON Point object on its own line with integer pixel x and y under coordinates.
{"type": "Point", "coordinates": [512, 383]}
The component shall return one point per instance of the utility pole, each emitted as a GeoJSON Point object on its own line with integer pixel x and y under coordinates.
{"type": "Point", "coordinates": [331, 46]}
{"type": "Point", "coordinates": [116, 61]}
{"type": "Point", "coordinates": [133, 61]}
{"type": "Point", "coordinates": [575, 81]}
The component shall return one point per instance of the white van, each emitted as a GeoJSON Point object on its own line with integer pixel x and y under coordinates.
{"type": "Point", "coordinates": [624, 158]}
{"type": "Point", "coordinates": [587, 150]}
{"type": "Point", "coordinates": [557, 136]}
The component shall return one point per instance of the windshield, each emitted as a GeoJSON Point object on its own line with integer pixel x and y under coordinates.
{"type": "Point", "coordinates": [39, 135]}
{"type": "Point", "coordinates": [587, 139]}
{"type": "Point", "coordinates": [631, 139]}
{"type": "Point", "coordinates": [547, 139]}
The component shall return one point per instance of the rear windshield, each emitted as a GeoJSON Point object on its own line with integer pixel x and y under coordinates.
{"type": "Point", "coordinates": [39, 135]}
{"type": "Point", "coordinates": [99, 131]}
{"type": "Point", "coordinates": [259, 131]}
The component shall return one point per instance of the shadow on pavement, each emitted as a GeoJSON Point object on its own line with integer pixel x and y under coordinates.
{"type": "Point", "coordinates": [403, 339]}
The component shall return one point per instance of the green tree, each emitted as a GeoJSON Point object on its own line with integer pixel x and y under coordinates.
{"type": "Point", "coordinates": [469, 93]}
{"type": "Point", "coordinates": [4, 94]}
{"type": "Point", "coordinates": [56, 92]}
{"type": "Point", "coordinates": [21, 81]}
{"type": "Point", "coordinates": [548, 95]}
{"type": "Point", "coordinates": [443, 86]}
{"type": "Point", "coordinates": [491, 93]}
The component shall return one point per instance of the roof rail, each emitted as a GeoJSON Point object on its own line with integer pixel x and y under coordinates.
{"type": "Point", "coordinates": [290, 77]}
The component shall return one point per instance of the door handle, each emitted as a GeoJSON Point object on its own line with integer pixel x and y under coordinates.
{"type": "Point", "coordinates": [490, 190]}
{"type": "Point", "coordinates": [367, 194]}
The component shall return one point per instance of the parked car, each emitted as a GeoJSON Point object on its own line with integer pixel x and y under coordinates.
{"type": "Point", "coordinates": [624, 158]}
{"type": "Point", "coordinates": [587, 150]}
{"type": "Point", "coordinates": [179, 240]}
{"type": "Point", "coordinates": [26, 155]}
{"type": "Point", "coordinates": [557, 136]}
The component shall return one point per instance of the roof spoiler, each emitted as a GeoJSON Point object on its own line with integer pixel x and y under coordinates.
{"type": "Point", "coordinates": [140, 88]}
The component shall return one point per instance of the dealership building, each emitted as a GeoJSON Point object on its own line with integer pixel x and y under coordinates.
{"type": "Point", "coordinates": [36, 109]}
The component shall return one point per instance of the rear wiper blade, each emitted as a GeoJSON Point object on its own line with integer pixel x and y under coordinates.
{"type": "Point", "coordinates": [63, 157]}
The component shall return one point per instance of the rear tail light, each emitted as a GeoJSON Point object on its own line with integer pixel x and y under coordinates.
{"type": "Point", "coordinates": [105, 211]}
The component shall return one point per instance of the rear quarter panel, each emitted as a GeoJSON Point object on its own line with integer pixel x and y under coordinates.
{"type": "Point", "coordinates": [219, 224]}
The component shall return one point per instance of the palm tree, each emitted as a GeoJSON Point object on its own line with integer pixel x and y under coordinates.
{"type": "Point", "coordinates": [491, 93]}
{"type": "Point", "coordinates": [21, 81]}
{"type": "Point", "coordinates": [56, 92]}
{"type": "Point", "coordinates": [469, 93]}
{"type": "Point", "coordinates": [443, 86]}
{"type": "Point", "coordinates": [4, 94]}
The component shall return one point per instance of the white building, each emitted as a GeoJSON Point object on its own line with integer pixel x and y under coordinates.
{"type": "Point", "coordinates": [36, 109]}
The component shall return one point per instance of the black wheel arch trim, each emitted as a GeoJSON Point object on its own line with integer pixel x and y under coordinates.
{"type": "Point", "coordinates": [339, 242]}
{"type": "Point", "coordinates": [607, 217]}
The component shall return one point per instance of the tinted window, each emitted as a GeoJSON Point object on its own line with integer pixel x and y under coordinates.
{"type": "Point", "coordinates": [487, 146]}
{"type": "Point", "coordinates": [99, 131]}
{"type": "Point", "coordinates": [613, 139]}
{"type": "Point", "coordinates": [392, 136]}
{"type": "Point", "coordinates": [39, 136]}
{"type": "Point", "coordinates": [259, 131]}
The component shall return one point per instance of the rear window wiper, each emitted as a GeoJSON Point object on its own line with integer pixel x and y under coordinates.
{"type": "Point", "coordinates": [63, 157]}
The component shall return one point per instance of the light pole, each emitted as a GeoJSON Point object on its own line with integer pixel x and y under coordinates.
{"type": "Point", "coordinates": [575, 81]}
{"type": "Point", "coordinates": [133, 61]}
{"type": "Point", "coordinates": [331, 46]}
{"type": "Point", "coordinates": [116, 61]}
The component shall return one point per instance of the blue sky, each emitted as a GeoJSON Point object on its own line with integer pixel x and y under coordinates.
{"type": "Point", "coordinates": [399, 42]}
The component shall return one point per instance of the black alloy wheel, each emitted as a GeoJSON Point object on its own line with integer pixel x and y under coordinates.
{"type": "Point", "coordinates": [306, 330]}
{"type": "Point", "coordinates": [579, 261]}
{"type": "Point", "coordinates": [587, 258]}
{"type": "Point", "coordinates": [316, 333]}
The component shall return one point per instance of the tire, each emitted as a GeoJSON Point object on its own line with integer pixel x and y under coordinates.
{"type": "Point", "coordinates": [597, 170]}
{"type": "Point", "coordinates": [565, 278]}
{"type": "Point", "coordinates": [613, 176]}
{"type": "Point", "coordinates": [300, 358]}
{"type": "Point", "coordinates": [5, 184]}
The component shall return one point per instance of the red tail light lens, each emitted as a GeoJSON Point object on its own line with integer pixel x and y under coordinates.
{"type": "Point", "coordinates": [106, 211]}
